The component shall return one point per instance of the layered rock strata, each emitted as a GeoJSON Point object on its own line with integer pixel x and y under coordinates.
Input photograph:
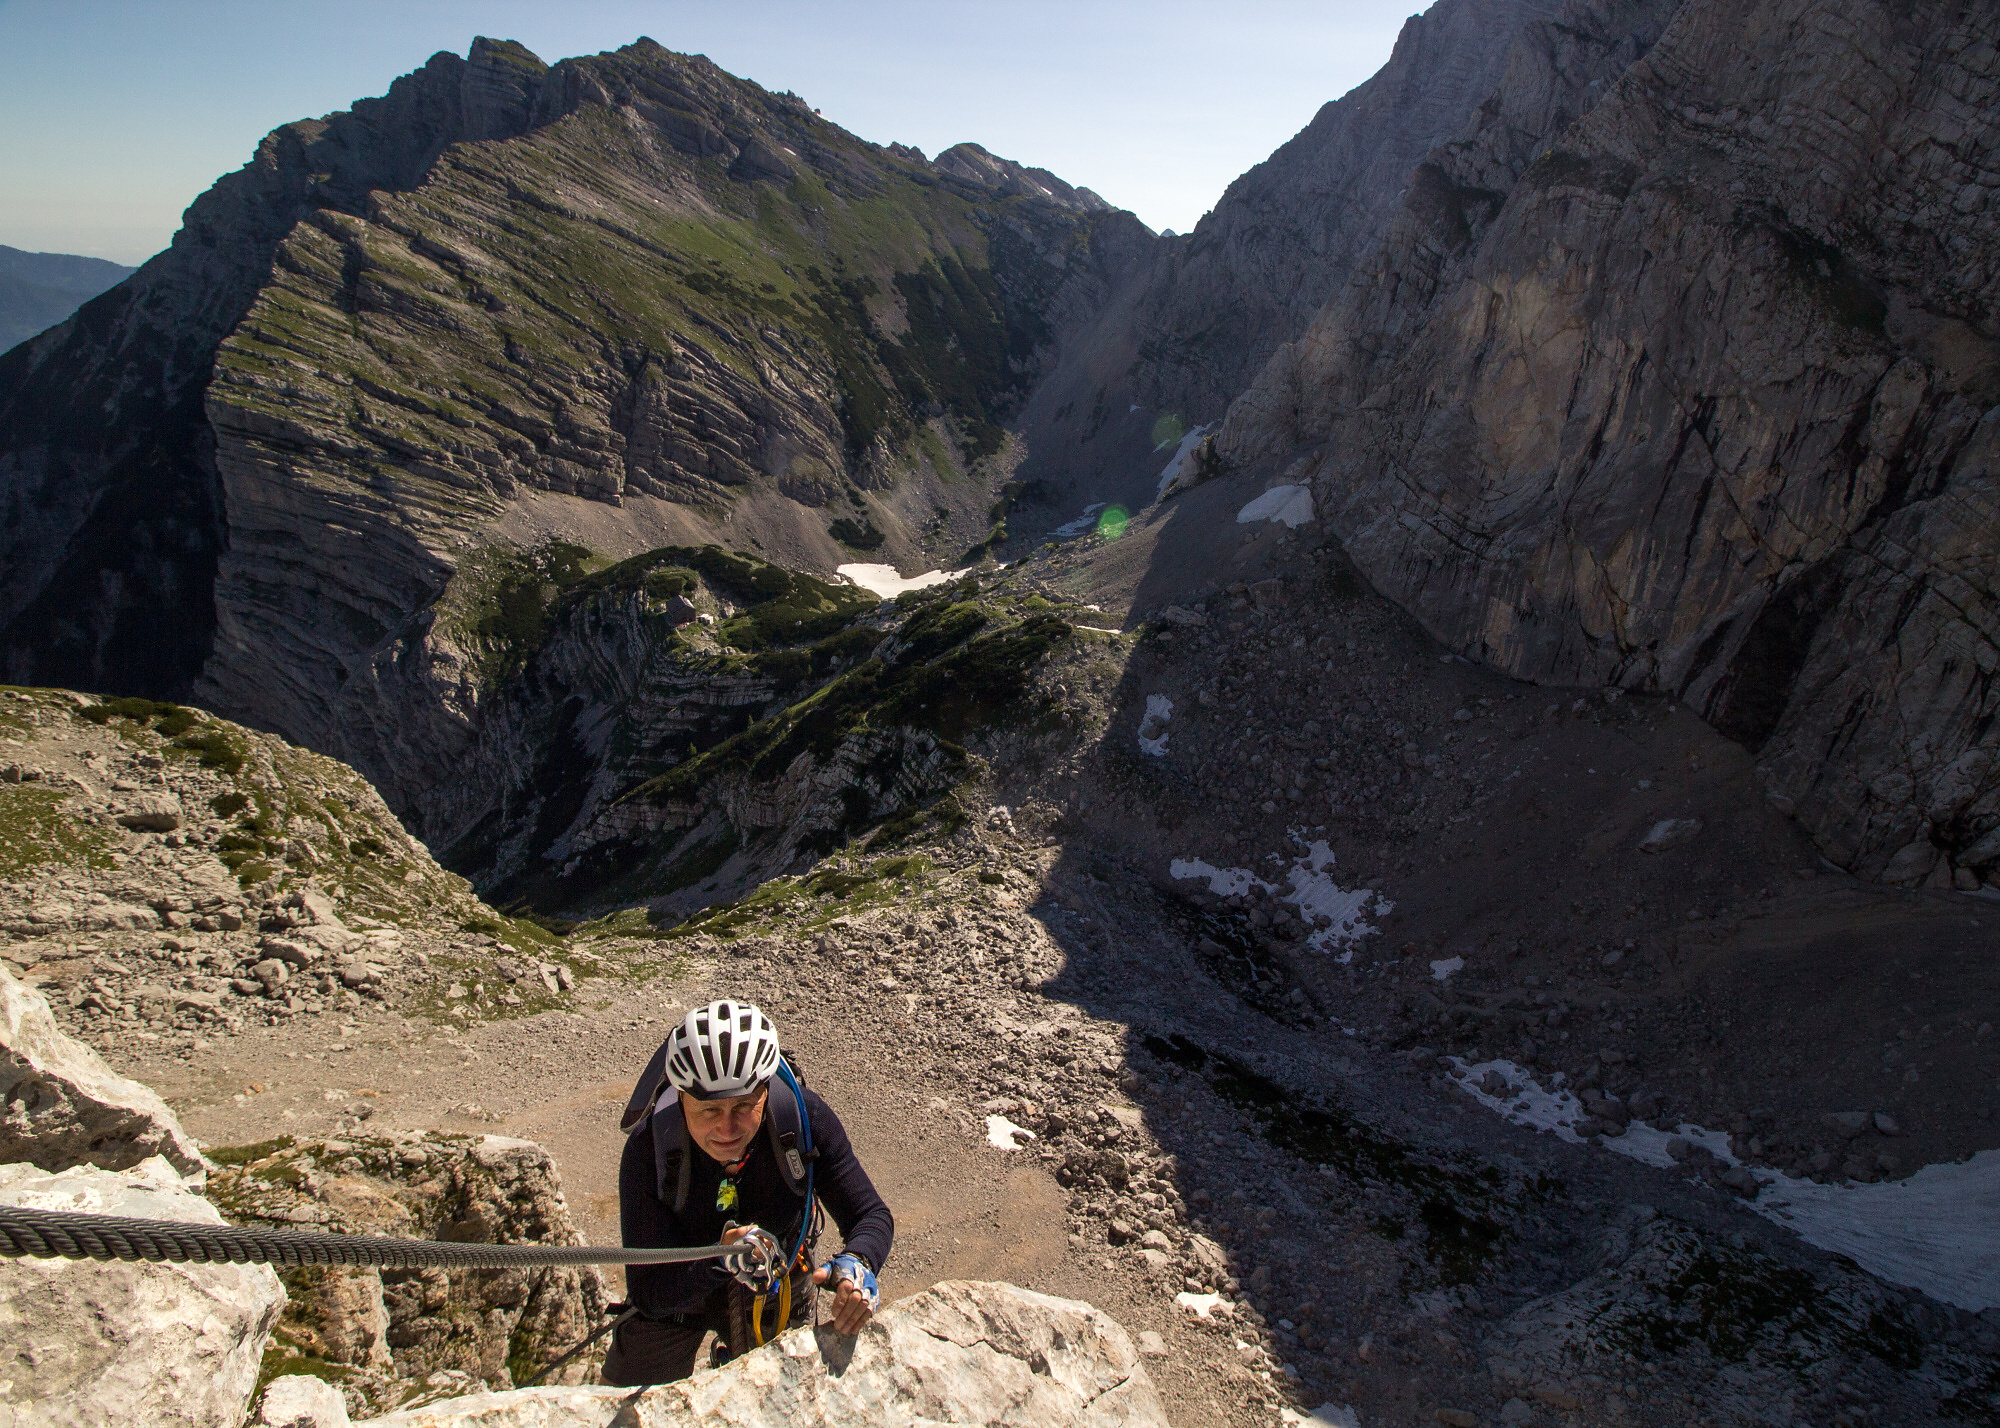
{"type": "Point", "coordinates": [1695, 394]}
{"type": "Point", "coordinates": [628, 291]}
{"type": "Point", "coordinates": [111, 513]}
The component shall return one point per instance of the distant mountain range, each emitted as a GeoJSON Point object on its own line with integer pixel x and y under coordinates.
{"type": "Point", "coordinates": [38, 290]}
{"type": "Point", "coordinates": [1613, 339]}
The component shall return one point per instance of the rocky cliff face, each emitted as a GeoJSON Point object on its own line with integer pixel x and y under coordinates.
{"type": "Point", "coordinates": [629, 294]}
{"type": "Point", "coordinates": [391, 1338]}
{"type": "Point", "coordinates": [1695, 393]}
{"type": "Point", "coordinates": [111, 514]}
{"type": "Point", "coordinates": [686, 724]}
{"type": "Point", "coordinates": [1188, 331]}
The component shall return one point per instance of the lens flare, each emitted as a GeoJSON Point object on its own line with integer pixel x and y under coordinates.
{"type": "Point", "coordinates": [1168, 429]}
{"type": "Point", "coordinates": [1112, 523]}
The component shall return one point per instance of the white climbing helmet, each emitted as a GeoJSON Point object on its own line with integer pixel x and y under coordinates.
{"type": "Point", "coordinates": [723, 1049]}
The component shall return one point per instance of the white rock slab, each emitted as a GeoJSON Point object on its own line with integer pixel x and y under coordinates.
{"type": "Point", "coordinates": [960, 1353]}
{"type": "Point", "coordinates": [114, 1345]}
{"type": "Point", "coordinates": [301, 1401]}
{"type": "Point", "coordinates": [60, 1105]}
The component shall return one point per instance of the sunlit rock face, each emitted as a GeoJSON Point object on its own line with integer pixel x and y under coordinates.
{"type": "Point", "coordinates": [1690, 394]}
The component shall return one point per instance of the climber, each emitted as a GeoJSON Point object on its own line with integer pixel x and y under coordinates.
{"type": "Point", "coordinates": [724, 1143]}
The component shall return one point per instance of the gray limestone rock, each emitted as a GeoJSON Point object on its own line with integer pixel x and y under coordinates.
{"type": "Point", "coordinates": [1663, 378]}
{"type": "Point", "coordinates": [61, 1106]}
{"type": "Point", "coordinates": [959, 1352]}
{"type": "Point", "coordinates": [377, 1331]}
{"type": "Point", "coordinates": [92, 1345]}
{"type": "Point", "coordinates": [151, 812]}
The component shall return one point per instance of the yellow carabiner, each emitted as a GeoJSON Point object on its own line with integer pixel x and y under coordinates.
{"type": "Point", "coordinates": [783, 1294]}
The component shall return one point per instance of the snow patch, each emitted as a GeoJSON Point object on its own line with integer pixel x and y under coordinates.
{"type": "Point", "coordinates": [1937, 1231]}
{"type": "Point", "coordinates": [1082, 525]}
{"type": "Point", "coordinates": [1327, 1415]}
{"type": "Point", "coordinates": [883, 580]}
{"type": "Point", "coordinates": [1445, 966]}
{"type": "Point", "coordinates": [1153, 728]}
{"type": "Point", "coordinates": [1003, 1134]}
{"type": "Point", "coordinates": [1177, 463]}
{"type": "Point", "coordinates": [1313, 892]}
{"type": "Point", "coordinates": [1202, 1305]}
{"type": "Point", "coordinates": [1291, 504]}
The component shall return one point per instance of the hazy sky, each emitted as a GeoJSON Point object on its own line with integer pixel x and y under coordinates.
{"type": "Point", "coordinates": [115, 114]}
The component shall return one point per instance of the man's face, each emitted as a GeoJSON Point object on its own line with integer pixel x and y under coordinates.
{"type": "Point", "coordinates": [724, 1129]}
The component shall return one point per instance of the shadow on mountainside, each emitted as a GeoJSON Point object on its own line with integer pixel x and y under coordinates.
{"type": "Point", "coordinates": [1370, 1212]}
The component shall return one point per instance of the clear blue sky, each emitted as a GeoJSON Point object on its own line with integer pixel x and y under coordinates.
{"type": "Point", "coordinates": [115, 114]}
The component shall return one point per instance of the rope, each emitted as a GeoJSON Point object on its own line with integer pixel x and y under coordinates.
{"type": "Point", "coordinates": [64, 1234]}
{"type": "Point", "coordinates": [596, 1334]}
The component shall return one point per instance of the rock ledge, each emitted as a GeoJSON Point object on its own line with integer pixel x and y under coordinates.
{"type": "Point", "coordinates": [960, 1352]}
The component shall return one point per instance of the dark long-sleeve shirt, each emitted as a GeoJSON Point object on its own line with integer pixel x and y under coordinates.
{"type": "Point", "coordinates": [839, 1183]}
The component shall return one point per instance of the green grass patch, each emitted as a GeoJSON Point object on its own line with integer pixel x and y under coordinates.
{"type": "Point", "coordinates": [517, 930]}
{"type": "Point", "coordinates": [244, 1154]}
{"type": "Point", "coordinates": [169, 720]}
{"type": "Point", "coordinates": [818, 897]}
{"type": "Point", "coordinates": [215, 749]}
{"type": "Point", "coordinates": [35, 832]}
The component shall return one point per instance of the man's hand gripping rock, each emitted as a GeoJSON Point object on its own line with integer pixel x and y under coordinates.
{"type": "Point", "coordinates": [855, 1296]}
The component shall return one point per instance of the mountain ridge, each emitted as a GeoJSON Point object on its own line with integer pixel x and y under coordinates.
{"type": "Point", "coordinates": [629, 278]}
{"type": "Point", "coordinates": [39, 290]}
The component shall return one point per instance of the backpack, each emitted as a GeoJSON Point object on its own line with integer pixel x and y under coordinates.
{"type": "Point", "coordinates": [785, 1123]}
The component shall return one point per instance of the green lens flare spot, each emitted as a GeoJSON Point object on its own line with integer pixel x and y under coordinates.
{"type": "Point", "coordinates": [1168, 429]}
{"type": "Point", "coordinates": [1112, 523]}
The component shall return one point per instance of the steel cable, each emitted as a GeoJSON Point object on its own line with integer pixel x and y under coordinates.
{"type": "Point", "coordinates": [66, 1234]}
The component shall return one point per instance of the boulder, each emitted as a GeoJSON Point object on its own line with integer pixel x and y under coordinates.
{"type": "Point", "coordinates": [152, 812]}
{"type": "Point", "coordinates": [299, 1400]}
{"type": "Point", "coordinates": [165, 1345]}
{"type": "Point", "coordinates": [960, 1352]}
{"type": "Point", "coordinates": [1669, 833]}
{"type": "Point", "coordinates": [61, 1106]}
{"type": "Point", "coordinates": [379, 1331]}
